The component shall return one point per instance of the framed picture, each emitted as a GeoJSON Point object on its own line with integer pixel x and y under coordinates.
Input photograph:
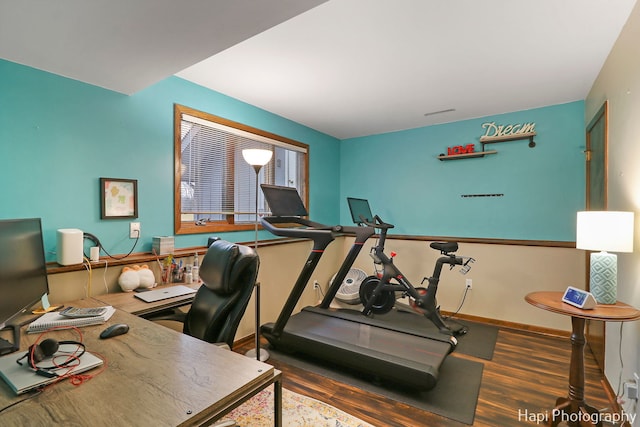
{"type": "Point", "coordinates": [118, 198]}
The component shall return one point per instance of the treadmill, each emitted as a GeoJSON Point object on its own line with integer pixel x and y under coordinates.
{"type": "Point", "coordinates": [386, 347]}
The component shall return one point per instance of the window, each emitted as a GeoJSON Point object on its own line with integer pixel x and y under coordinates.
{"type": "Point", "coordinates": [214, 187]}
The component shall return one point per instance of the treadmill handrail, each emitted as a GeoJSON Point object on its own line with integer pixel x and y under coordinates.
{"type": "Point", "coordinates": [319, 233]}
{"type": "Point", "coordinates": [362, 234]}
{"type": "Point", "coordinates": [314, 228]}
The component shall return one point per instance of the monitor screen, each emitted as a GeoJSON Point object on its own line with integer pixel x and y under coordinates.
{"type": "Point", "coordinates": [23, 271]}
{"type": "Point", "coordinates": [359, 207]}
{"type": "Point", "coordinates": [283, 201]}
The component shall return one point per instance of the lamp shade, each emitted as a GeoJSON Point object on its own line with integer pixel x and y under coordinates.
{"type": "Point", "coordinates": [605, 231]}
{"type": "Point", "coordinates": [257, 156]}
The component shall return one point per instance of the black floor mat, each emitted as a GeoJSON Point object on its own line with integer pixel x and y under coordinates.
{"type": "Point", "coordinates": [455, 396]}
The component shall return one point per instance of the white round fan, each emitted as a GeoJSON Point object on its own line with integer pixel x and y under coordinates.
{"type": "Point", "coordinates": [349, 291]}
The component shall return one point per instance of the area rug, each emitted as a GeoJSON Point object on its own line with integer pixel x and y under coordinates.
{"type": "Point", "coordinates": [297, 411]}
{"type": "Point", "coordinates": [455, 396]}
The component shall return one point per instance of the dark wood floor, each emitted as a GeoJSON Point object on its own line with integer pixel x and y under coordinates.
{"type": "Point", "coordinates": [529, 371]}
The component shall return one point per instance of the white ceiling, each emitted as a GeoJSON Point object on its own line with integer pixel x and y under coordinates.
{"type": "Point", "coordinates": [346, 67]}
{"type": "Point", "coordinates": [127, 45]}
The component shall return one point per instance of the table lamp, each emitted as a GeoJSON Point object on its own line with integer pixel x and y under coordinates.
{"type": "Point", "coordinates": [604, 231]}
{"type": "Point", "coordinates": [257, 158]}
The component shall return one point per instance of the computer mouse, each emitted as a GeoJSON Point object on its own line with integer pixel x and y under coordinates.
{"type": "Point", "coordinates": [114, 330]}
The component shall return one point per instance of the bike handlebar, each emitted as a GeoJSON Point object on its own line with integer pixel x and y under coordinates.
{"type": "Point", "coordinates": [377, 223]}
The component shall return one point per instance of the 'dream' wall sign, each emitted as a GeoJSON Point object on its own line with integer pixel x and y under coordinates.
{"type": "Point", "coordinates": [494, 133]}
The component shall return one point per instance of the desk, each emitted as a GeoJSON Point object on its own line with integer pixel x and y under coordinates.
{"type": "Point", "coordinates": [573, 406]}
{"type": "Point", "coordinates": [127, 301]}
{"type": "Point", "coordinates": [154, 376]}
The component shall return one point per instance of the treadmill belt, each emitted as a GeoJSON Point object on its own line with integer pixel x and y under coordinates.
{"type": "Point", "coordinates": [407, 322]}
{"type": "Point", "coordinates": [382, 353]}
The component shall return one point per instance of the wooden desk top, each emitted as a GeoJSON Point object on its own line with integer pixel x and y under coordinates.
{"type": "Point", "coordinates": [552, 301]}
{"type": "Point", "coordinates": [154, 375]}
{"type": "Point", "coordinates": [127, 301]}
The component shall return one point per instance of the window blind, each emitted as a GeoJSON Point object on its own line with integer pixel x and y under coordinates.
{"type": "Point", "coordinates": [216, 183]}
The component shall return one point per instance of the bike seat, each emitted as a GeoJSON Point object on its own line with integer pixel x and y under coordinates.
{"type": "Point", "coordinates": [445, 247]}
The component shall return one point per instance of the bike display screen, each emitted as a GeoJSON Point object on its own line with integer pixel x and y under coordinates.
{"type": "Point", "coordinates": [359, 208]}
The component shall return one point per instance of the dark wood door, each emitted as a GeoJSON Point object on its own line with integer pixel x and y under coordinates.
{"type": "Point", "coordinates": [596, 199]}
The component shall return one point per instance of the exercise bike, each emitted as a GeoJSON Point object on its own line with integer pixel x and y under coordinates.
{"type": "Point", "coordinates": [378, 293]}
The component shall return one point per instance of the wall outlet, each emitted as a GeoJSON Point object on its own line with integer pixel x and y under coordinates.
{"type": "Point", "coordinates": [469, 283]}
{"type": "Point", "coordinates": [631, 390]}
{"type": "Point", "coordinates": [134, 230]}
{"type": "Point", "coordinates": [316, 285]}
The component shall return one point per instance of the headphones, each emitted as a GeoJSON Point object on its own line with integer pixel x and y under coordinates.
{"type": "Point", "coordinates": [48, 348]}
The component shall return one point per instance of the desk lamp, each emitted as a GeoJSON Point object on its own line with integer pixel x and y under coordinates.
{"type": "Point", "coordinates": [257, 158]}
{"type": "Point", "coordinates": [604, 231]}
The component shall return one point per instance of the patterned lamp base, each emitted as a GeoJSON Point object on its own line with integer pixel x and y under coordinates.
{"type": "Point", "coordinates": [604, 277]}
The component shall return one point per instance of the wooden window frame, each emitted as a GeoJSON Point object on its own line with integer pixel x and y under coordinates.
{"type": "Point", "coordinates": [190, 227]}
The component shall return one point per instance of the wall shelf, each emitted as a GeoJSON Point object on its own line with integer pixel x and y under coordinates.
{"type": "Point", "coordinates": [495, 139]}
{"type": "Point", "coordinates": [465, 155]}
{"type": "Point", "coordinates": [484, 140]}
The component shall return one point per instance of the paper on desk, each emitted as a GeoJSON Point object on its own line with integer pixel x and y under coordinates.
{"type": "Point", "coordinates": [55, 319]}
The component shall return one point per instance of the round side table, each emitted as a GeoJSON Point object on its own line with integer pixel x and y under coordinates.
{"type": "Point", "coordinates": [571, 408]}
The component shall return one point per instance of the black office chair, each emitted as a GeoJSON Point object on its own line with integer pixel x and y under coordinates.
{"type": "Point", "coordinates": [228, 272]}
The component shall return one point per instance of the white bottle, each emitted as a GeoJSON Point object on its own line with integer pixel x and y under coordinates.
{"type": "Point", "coordinates": [195, 269]}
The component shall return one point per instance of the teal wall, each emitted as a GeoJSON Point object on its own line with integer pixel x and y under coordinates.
{"type": "Point", "coordinates": [59, 136]}
{"type": "Point", "coordinates": [408, 186]}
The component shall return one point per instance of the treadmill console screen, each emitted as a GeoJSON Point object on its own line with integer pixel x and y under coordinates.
{"type": "Point", "coordinates": [358, 208]}
{"type": "Point", "coordinates": [283, 201]}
